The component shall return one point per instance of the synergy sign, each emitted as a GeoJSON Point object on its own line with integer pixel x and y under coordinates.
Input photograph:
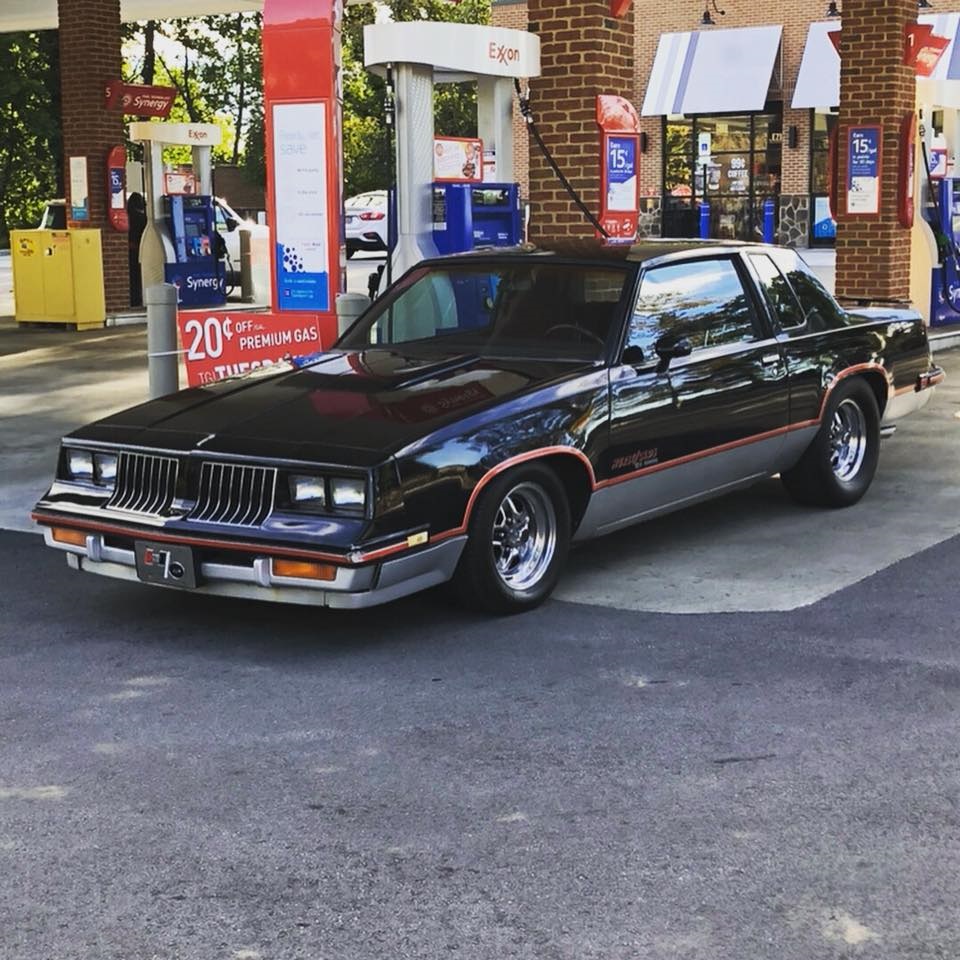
{"type": "Point", "coordinates": [220, 344]}
{"type": "Point", "coordinates": [300, 194]}
{"type": "Point", "coordinates": [140, 100]}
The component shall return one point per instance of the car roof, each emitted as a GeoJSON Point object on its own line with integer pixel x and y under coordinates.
{"type": "Point", "coordinates": [596, 251]}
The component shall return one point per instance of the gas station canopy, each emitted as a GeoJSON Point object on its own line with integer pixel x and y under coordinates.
{"type": "Point", "coordinates": [42, 14]}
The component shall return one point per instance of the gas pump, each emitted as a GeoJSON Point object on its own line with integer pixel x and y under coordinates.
{"type": "Point", "coordinates": [197, 271]}
{"type": "Point", "coordinates": [466, 216]}
{"type": "Point", "coordinates": [452, 194]}
{"type": "Point", "coordinates": [942, 212]}
{"type": "Point", "coordinates": [180, 244]}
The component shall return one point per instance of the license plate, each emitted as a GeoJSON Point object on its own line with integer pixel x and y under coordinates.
{"type": "Point", "coordinates": [165, 563]}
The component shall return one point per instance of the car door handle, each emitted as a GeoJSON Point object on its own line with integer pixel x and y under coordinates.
{"type": "Point", "coordinates": [768, 359]}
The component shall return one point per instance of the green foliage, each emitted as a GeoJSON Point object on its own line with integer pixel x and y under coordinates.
{"type": "Point", "coordinates": [366, 155]}
{"type": "Point", "coordinates": [214, 63]}
{"type": "Point", "coordinates": [31, 149]}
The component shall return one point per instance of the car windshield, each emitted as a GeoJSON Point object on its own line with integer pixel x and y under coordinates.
{"type": "Point", "coordinates": [537, 309]}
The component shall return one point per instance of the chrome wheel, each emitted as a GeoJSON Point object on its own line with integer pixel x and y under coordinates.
{"type": "Point", "coordinates": [524, 537]}
{"type": "Point", "coordinates": [848, 440]}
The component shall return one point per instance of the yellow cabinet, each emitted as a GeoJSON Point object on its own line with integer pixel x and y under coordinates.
{"type": "Point", "coordinates": [58, 277]}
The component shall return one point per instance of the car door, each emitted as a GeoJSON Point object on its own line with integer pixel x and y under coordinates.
{"type": "Point", "coordinates": [695, 424]}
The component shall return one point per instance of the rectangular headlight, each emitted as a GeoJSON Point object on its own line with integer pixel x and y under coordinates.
{"type": "Point", "coordinates": [309, 490]}
{"type": "Point", "coordinates": [105, 469]}
{"type": "Point", "coordinates": [80, 465]}
{"type": "Point", "coordinates": [348, 493]}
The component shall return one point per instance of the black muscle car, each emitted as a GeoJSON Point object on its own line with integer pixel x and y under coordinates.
{"type": "Point", "coordinates": [488, 410]}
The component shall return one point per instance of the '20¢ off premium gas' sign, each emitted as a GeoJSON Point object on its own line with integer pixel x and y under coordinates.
{"type": "Point", "coordinates": [217, 344]}
{"type": "Point", "coordinates": [863, 171]}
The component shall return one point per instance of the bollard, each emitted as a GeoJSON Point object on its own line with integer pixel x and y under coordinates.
{"type": "Point", "coordinates": [163, 357]}
{"type": "Point", "coordinates": [704, 220]}
{"type": "Point", "coordinates": [349, 307]}
{"type": "Point", "coordinates": [769, 207]}
{"type": "Point", "coordinates": [246, 267]}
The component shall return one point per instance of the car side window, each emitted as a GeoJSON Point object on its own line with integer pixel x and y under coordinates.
{"type": "Point", "coordinates": [821, 311]}
{"type": "Point", "coordinates": [701, 300]}
{"type": "Point", "coordinates": [780, 295]}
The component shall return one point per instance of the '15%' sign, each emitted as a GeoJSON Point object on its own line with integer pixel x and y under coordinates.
{"type": "Point", "coordinates": [216, 345]}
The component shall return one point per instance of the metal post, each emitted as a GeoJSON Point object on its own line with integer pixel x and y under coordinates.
{"type": "Point", "coordinates": [414, 92]}
{"type": "Point", "coordinates": [246, 267]}
{"type": "Point", "coordinates": [162, 354]}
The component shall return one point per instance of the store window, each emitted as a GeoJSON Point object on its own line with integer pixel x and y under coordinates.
{"type": "Point", "coordinates": [745, 153]}
{"type": "Point", "coordinates": [823, 228]}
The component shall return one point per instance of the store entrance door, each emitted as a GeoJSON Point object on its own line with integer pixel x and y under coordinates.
{"type": "Point", "coordinates": [742, 171]}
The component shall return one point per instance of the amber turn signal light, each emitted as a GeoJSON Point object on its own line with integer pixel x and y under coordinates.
{"type": "Point", "coordinates": [76, 538]}
{"type": "Point", "coordinates": [303, 570]}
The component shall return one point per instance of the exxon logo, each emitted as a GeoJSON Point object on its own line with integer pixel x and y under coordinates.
{"type": "Point", "coordinates": [500, 53]}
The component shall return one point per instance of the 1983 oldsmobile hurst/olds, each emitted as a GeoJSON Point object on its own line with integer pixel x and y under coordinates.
{"type": "Point", "coordinates": [486, 411]}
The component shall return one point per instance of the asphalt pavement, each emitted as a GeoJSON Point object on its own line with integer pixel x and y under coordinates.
{"type": "Point", "coordinates": [732, 736]}
{"type": "Point", "coordinates": [185, 778]}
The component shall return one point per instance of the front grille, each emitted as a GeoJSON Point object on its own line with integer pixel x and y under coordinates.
{"type": "Point", "coordinates": [145, 483]}
{"type": "Point", "coordinates": [234, 494]}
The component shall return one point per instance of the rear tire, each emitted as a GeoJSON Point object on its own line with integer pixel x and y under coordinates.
{"type": "Point", "coordinates": [517, 543]}
{"type": "Point", "coordinates": [839, 465]}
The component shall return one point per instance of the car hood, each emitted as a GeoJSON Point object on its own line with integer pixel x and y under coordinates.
{"type": "Point", "coordinates": [347, 407]}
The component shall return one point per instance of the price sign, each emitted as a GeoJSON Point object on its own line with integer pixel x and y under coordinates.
{"type": "Point", "coordinates": [220, 344]}
{"type": "Point", "coordinates": [863, 171]}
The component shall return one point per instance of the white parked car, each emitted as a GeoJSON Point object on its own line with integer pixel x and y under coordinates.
{"type": "Point", "coordinates": [365, 221]}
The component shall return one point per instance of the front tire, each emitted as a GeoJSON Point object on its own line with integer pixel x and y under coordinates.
{"type": "Point", "coordinates": [839, 465]}
{"type": "Point", "coordinates": [518, 542]}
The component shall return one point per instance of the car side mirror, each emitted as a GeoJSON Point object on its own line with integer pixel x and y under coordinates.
{"type": "Point", "coordinates": [232, 223]}
{"type": "Point", "coordinates": [669, 349]}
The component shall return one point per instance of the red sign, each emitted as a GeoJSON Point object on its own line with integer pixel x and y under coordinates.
{"type": "Point", "coordinates": [619, 168]}
{"type": "Point", "coordinates": [619, 8]}
{"type": "Point", "coordinates": [140, 100]}
{"type": "Point", "coordinates": [222, 343]}
{"type": "Point", "coordinates": [921, 49]}
{"type": "Point", "coordinates": [117, 188]}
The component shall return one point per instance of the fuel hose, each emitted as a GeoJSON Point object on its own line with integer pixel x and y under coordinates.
{"type": "Point", "coordinates": [527, 113]}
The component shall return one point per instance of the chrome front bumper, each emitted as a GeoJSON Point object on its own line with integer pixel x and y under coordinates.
{"type": "Point", "coordinates": [353, 587]}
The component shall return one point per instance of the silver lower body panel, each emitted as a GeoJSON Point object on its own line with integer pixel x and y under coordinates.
{"type": "Point", "coordinates": [352, 589]}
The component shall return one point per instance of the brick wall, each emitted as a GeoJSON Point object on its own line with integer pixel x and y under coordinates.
{"type": "Point", "coordinates": [89, 57]}
{"type": "Point", "coordinates": [513, 15]}
{"type": "Point", "coordinates": [584, 52]}
{"type": "Point", "coordinates": [873, 253]}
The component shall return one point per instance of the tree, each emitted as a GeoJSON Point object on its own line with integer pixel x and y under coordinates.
{"type": "Point", "coordinates": [31, 148]}
{"type": "Point", "coordinates": [213, 62]}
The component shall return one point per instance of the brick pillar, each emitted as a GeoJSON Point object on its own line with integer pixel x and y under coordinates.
{"type": "Point", "coordinates": [873, 253]}
{"type": "Point", "coordinates": [584, 52]}
{"type": "Point", "coordinates": [89, 57]}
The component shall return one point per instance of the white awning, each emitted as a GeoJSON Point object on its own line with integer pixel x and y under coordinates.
{"type": "Point", "coordinates": [712, 71]}
{"type": "Point", "coordinates": [818, 83]}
